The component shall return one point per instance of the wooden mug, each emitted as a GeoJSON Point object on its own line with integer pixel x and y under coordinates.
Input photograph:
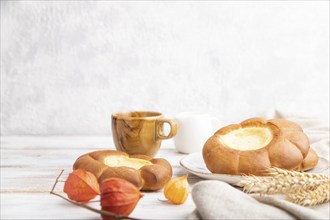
{"type": "Point", "coordinates": [140, 132]}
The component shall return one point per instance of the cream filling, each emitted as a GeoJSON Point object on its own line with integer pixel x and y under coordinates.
{"type": "Point", "coordinates": [123, 161]}
{"type": "Point", "coordinates": [249, 138]}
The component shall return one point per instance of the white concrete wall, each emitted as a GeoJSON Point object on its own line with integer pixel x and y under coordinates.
{"type": "Point", "coordinates": [66, 65]}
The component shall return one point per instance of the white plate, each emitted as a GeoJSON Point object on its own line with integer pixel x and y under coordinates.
{"type": "Point", "coordinates": [194, 164]}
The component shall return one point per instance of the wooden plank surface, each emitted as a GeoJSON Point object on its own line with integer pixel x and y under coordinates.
{"type": "Point", "coordinates": [29, 166]}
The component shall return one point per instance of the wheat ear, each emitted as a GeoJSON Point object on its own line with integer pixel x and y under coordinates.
{"type": "Point", "coordinates": [274, 171]}
{"type": "Point", "coordinates": [313, 197]}
{"type": "Point", "coordinates": [282, 181]}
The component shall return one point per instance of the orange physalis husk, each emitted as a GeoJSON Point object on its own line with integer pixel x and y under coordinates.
{"type": "Point", "coordinates": [119, 196]}
{"type": "Point", "coordinates": [177, 190]}
{"type": "Point", "coordinates": [81, 186]}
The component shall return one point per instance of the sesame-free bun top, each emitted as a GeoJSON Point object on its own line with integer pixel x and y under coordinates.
{"type": "Point", "coordinates": [144, 172]}
{"type": "Point", "coordinates": [257, 144]}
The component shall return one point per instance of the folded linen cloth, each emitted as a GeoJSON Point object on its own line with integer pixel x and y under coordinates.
{"type": "Point", "coordinates": [218, 200]}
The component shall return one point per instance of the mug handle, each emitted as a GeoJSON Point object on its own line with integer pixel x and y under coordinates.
{"type": "Point", "coordinates": [159, 134]}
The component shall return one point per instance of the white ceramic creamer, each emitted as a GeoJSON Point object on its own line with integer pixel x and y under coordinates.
{"type": "Point", "coordinates": [193, 130]}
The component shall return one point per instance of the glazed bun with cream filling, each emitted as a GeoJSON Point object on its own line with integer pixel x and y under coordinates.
{"type": "Point", "coordinates": [144, 172]}
{"type": "Point", "coordinates": [257, 144]}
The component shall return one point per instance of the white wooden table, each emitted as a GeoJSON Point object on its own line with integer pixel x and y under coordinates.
{"type": "Point", "coordinates": [30, 165]}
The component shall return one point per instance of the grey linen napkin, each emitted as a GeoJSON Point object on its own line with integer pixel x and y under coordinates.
{"type": "Point", "coordinates": [218, 200]}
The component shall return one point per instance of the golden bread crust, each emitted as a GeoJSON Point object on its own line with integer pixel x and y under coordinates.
{"type": "Point", "coordinates": [288, 149]}
{"type": "Point", "coordinates": [148, 177]}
